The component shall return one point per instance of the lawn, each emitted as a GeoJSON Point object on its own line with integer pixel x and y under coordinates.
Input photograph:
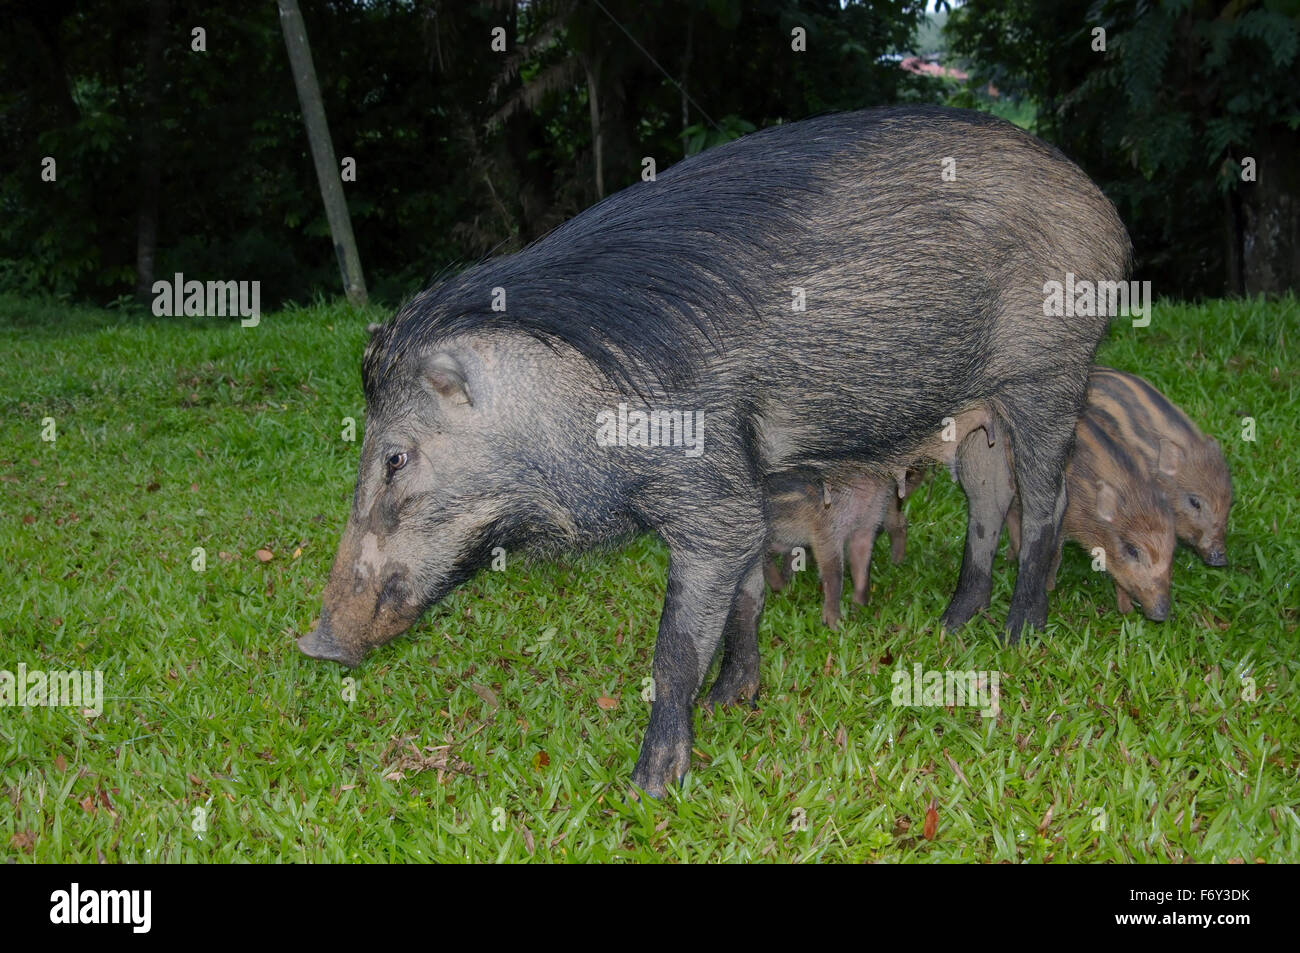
{"type": "Point", "coordinates": [505, 725]}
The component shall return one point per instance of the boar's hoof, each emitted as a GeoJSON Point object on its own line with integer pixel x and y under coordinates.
{"type": "Point", "coordinates": [321, 645]}
{"type": "Point", "coordinates": [660, 767]}
{"type": "Point", "coordinates": [1019, 620]}
{"type": "Point", "coordinates": [732, 688]}
{"type": "Point", "coordinates": [957, 614]}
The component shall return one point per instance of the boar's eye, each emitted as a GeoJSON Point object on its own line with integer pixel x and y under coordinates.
{"type": "Point", "coordinates": [396, 462]}
{"type": "Point", "coordinates": [1130, 551]}
{"type": "Point", "coordinates": [1195, 501]}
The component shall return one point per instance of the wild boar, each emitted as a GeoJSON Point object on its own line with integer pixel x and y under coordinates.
{"type": "Point", "coordinates": [523, 403]}
{"type": "Point", "coordinates": [1116, 505]}
{"type": "Point", "coordinates": [1189, 466]}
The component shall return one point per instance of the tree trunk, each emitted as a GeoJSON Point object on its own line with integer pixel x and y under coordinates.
{"type": "Point", "coordinates": [597, 146]}
{"type": "Point", "coordinates": [686, 69]}
{"type": "Point", "coordinates": [1235, 283]}
{"type": "Point", "coordinates": [322, 151]}
{"type": "Point", "coordinates": [46, 22]}
{"type": "Point", "coordinates": [146, 234]}
{"type": "Point", "coordinates": [1270, 247]}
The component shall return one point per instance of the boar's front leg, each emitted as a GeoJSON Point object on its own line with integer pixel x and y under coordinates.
{"type": "Point", "coordinates": [705, 572]}
{"type": "Point", "coordinates": [986, 479]}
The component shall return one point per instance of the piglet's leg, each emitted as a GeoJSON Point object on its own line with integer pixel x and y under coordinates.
{"type": "Point", "coordinates": [860, 546]}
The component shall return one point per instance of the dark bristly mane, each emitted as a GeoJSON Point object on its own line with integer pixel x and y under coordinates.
{"type": "Point", "coordinates": [635, 282]}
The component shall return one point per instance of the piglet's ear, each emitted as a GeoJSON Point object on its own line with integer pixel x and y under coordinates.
{"type": "Point", "coordinates": [1171, 457]}
{"type": "Point", "coordinates": [446, 377]}
{"type": "Point", "coordinates": [1107, 502]}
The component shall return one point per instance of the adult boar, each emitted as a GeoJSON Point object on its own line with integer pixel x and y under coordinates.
{"type": "Point", "coordinates": [919, 241]}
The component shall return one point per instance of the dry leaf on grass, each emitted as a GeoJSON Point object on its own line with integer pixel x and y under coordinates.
{"type": "Point", "coordinates": [952, 763]}
{"type": "Point", "coordinates": [23, 840]}
{"type": "Point", "coordinates": [1047, 819]}
{"type": "Point", "coordinates": [931, 821]}
{"type": "Point", "coordinates": [412, 760]}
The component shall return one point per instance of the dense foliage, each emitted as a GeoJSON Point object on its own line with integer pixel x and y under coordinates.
{"type": "Point", "coordinates": [461, 150]}
{"type": "Point", "coordinates": [1163, 117]}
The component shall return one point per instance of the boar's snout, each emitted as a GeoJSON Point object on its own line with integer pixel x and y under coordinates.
{"type": "Point", "coordinates": [367, 602]}
{"type": "Point", "coordinates": [1158, 609]}
{"type": "Point", "coordinates": [1214, 555]}
{"type": "Point", "coordinates": [320, 643]}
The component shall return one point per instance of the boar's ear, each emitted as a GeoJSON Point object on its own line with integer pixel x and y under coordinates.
{"type": "Point", "coordinates": [444, 374]}
{"type": "Point", "coordinates": [1171, 457]}
{"type": "Point", "coordinates": [1107, 501]}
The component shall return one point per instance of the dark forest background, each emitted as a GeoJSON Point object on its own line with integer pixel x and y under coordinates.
{"type": "Point", "coordinates": [172, 159]}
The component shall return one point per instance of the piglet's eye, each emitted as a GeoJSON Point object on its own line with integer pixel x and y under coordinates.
{"type": "Point", "coordinates": [1196, 503]}
{"type": "Point", "coordinates": [1130, 551]}
{"type": "Point", "coordinates": [397, 461]}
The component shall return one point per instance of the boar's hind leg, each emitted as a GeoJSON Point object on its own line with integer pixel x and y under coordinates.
{"type": "Point", "coordinates": [738, 677]}
{"type": "Point", "coordinates": [1040, 456]}
{"type": "Point", "coordinates": [703, 584]}
{"type": "Point", "coordinates": [985, 478]}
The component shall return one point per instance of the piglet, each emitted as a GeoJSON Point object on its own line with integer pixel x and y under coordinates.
{"type": "Point", "coordinates": [1188, 466]}
{"type": "Point", "coordinates": [851, 508]}
{"type": "Point", "coordinates": [1115, 504]}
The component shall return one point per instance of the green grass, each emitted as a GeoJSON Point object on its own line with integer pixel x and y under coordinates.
{"type": "Point", "coordinates": [1118, 740]}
